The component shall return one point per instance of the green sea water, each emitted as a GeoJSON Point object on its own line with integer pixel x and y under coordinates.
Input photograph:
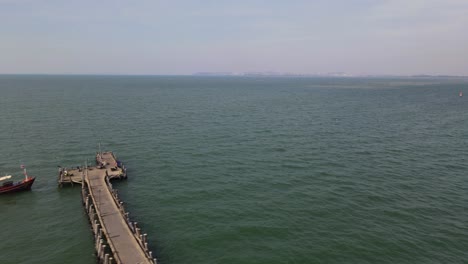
{"type": "Point", "coordinates": [244, 170]}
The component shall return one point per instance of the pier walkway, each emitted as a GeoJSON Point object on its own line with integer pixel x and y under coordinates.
{"type": "Point", "coordinates": [117, 239]}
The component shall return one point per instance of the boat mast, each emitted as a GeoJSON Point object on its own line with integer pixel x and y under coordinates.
{"type": "Point", "coordinates": [24, 171]}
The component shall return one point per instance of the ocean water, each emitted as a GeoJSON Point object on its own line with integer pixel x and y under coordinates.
{"type": "Point", "coordinates": [244, 170]}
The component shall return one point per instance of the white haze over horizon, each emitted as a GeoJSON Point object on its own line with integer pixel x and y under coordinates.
{"type": "Point", "coordinates": [182, 37]}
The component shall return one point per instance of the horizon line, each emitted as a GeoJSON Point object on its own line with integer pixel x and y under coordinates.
{"type": "Point", "coordinates": [246, 74]}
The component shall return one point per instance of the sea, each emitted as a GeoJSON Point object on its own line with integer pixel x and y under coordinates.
{"type": "Point", "coordinates": [243, 169]}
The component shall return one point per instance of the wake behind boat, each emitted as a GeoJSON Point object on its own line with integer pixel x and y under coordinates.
{"type": "Point", "coordinates": [10, 186]}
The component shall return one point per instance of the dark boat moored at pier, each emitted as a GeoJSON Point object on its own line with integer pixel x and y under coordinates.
{"type": "Point", "coordinates": [24, 185]}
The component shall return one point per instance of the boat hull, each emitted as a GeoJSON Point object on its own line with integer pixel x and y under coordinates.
{"type": "Point", "coordinates": [24, 185]}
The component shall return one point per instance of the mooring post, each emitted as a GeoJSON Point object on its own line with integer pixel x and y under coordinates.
{"type": "Point", "coordinates": [99, 252]}
{"type": "Point", "coordinates": [103, 249]}
{"type": "Point", "coordinates": [98, 230]}
{"type": "Point", "coordinates": [97, 237]}
{"type": "Point", "coordinates": [87, 203]}
{"type": "Point", "coordinates": [132, 226]}
{"type": "Point", "coordinates": [91, 206]}
{"type": "Point", "coordinates": [98, 246]}
{"type": "Point", "coordinates": [96, 226]}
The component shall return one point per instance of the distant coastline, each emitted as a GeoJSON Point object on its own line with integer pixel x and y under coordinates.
{"type": "Point", "coordinates": [331, 74]}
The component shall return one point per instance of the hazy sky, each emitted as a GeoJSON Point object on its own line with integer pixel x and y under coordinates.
{"type": "Point", "coordinates": [182, 37]}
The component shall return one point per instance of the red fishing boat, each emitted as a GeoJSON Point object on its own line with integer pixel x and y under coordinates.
{"type": "Point", "coordinates": [10, 186]}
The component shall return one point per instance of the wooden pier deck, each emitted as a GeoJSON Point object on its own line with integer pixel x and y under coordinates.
{"type": "Point", "coordinates": [117, 239]}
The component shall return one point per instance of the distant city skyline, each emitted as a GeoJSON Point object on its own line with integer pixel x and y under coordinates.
{"type": "Point", "coordinates": [357, 37]}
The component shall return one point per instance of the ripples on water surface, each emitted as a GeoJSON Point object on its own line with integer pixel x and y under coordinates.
{"type": "Point", "coordinates": [244, 170]}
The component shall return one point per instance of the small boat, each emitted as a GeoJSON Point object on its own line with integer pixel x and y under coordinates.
{"type": "Point", "coordinates": [10, 186]}
{"type": "Point", "coordinates": [460, 94]}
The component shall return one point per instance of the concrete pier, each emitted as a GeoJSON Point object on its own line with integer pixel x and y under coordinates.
{"type": "Point", "coordinates": [117, 239]}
